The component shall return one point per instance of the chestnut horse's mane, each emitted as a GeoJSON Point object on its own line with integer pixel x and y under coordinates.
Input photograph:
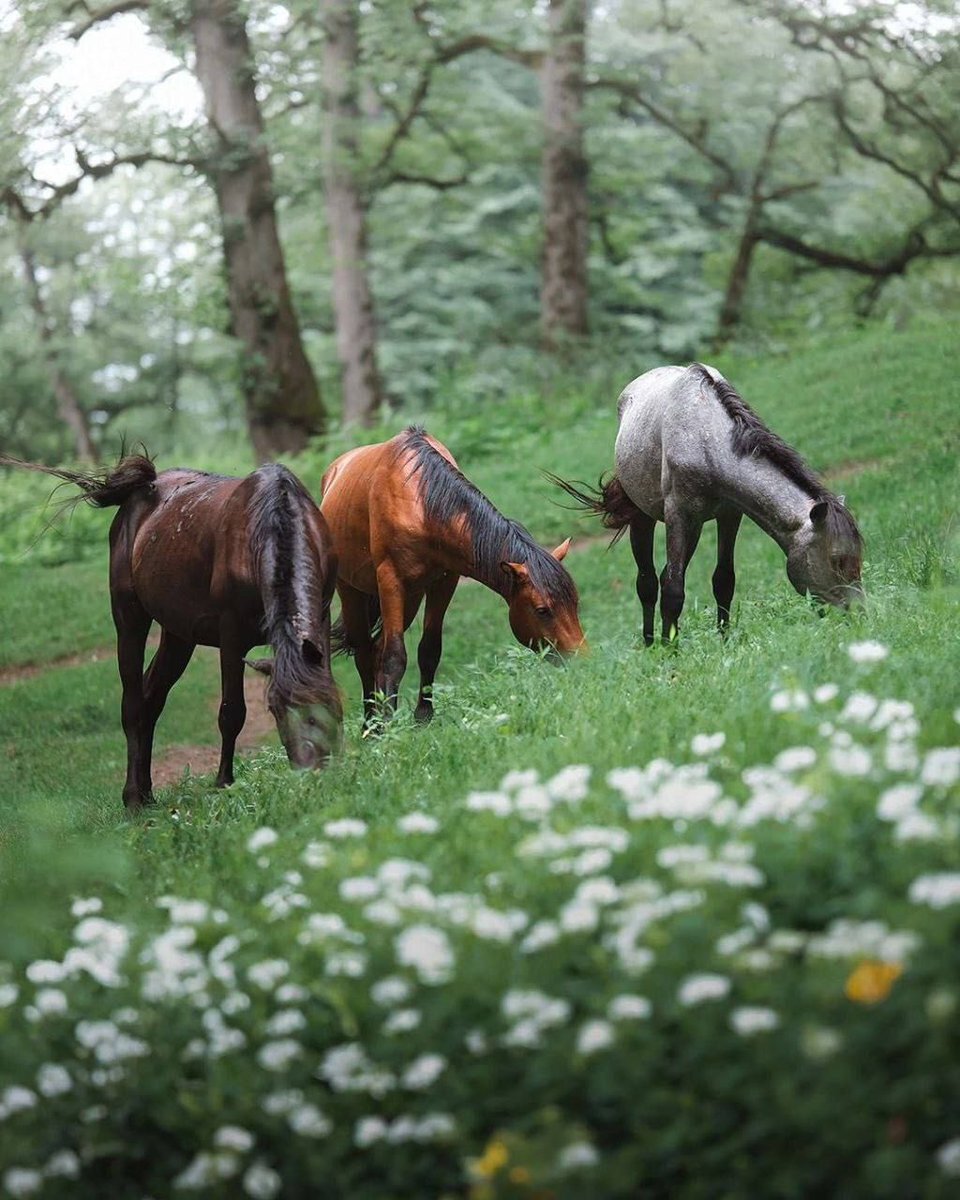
{"type": "Point", "coordinates": [447, 495]}
{"type": "Point", "coordinates": [291, 586]}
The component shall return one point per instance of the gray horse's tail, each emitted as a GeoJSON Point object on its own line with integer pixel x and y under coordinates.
{"type": "Point", "coordinates": [607, 500]}
{"type": "Point", "coordinates": [340, 640]}
{"type": "Point", "coordinates": [102, 489]}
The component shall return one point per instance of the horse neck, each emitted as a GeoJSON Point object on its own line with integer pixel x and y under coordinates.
{"type": "Point", "coordinates": [771, 499]}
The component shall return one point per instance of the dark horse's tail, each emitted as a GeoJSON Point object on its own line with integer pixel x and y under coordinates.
{"type": "Point", "coordinates": [608, 501]}
{"type": "Point", "coordinates": [339, 639]}
{"type": "Point", "coordinates": [102, 489]}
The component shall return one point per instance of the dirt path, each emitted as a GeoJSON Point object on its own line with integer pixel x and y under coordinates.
{"type": "Point", "coordinates": [16, 674]}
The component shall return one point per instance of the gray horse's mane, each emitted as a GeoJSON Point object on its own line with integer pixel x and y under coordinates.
{"type": "Point", "coordinates": [751, 438]}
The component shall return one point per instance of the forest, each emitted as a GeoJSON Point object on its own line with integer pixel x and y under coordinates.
{"type": "Point", "coordinates": [315, 213]}
{"type": "Point", "coordinates": [674, 914]}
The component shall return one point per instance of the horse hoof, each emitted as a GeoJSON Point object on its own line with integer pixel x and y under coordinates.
{"type": "Point", "coordinates": [423, 714]}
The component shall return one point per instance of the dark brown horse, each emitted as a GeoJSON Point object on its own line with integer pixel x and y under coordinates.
{"type": "Point", "coordinates": [406, 525]}
{"type": "Point", "coordinates": [225, 562]}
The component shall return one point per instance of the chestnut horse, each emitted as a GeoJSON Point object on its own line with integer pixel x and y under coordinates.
{"type": "Point", "coordinates": [406, 525]}
{"type": "Point", "coordinates": [225, 562]}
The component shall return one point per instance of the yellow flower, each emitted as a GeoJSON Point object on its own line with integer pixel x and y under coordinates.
{"type": "Point", "coordinates": [519, 1175]}
{"type": "Point", "coordinates": [494, 1157]}
{"type": "Point", "coordinates": [871, 981]}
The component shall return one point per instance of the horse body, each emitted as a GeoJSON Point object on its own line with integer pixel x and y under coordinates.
{"type": "Point", "coordinates": [223, 562]}
{"type": "Point", "coordinates": [690, 450]}
{"type": "Point", "coordinates": [407, 525]}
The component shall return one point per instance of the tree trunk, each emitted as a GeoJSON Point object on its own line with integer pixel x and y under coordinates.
{"type": "Point", "coordinates": [347, 217]}
{"type": "Point", "coordinates": [563, 300]}
{"type": "Point", "coordinates": [284, 406]}
{"type": "Point", "coordinates": [68, 403]}
{"type": "Point", "coordinates": [739, 277]}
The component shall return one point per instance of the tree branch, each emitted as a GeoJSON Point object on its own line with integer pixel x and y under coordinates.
{"type": "Point", "coordinates": [914, 246]}
{"type": "Point", "coordinates": [98, 15]}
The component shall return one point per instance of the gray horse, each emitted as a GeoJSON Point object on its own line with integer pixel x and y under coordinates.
{"type": "Point", "coordinates": [691, 450]}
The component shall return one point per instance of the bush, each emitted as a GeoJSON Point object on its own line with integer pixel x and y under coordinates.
{"type": "Point", "coordinates": [684, 979]}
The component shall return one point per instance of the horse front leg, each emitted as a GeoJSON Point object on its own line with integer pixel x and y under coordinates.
{"type": "Point", "coordinates": [683, 533]}
{"type": "Point", "coordinates": [132, 624]}
{"type": "Point", "coordinates": [642, 529]}
{"type": "Point", "coordinates": [431, 643]}
{"type": "Point", "coordinates": [233, 707]}
{"type": "Point", "coordinates": [724, 577]}
{"type": "Point", "coordinates": [355, 615]}
{"type": "Point", "coordinates": [392, 659]}
{"type": "Point", "coordinates": [169, 663]}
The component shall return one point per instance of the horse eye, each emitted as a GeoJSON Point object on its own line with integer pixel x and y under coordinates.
{"type": "Point", "coordinates": [312, 722]}
{"type": "Point", "coordinates": [544, 611]}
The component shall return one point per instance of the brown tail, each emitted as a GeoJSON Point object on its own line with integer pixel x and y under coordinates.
{"type": "Point", "coordinates": [102, 489]}
{"type": "Point", "coordinates": [339, 641]}
{"type": "Point", "coordinates": [608, 501]}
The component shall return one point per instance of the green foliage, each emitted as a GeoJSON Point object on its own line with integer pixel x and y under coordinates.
{"type": "Point", "coordinates": [737, 858]}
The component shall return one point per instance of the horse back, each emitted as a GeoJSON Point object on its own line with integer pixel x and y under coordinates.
{"type": "Point", "coordinates": [371, 501]}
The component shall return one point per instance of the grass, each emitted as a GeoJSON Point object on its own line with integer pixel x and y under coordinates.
{"type": "Point", "coordinates": [881, 410]}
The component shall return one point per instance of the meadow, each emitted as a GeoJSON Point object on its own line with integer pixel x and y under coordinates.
{"type": "Point", "coordinates": [672, 922]}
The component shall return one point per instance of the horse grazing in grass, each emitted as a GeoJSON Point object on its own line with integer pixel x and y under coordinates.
{"type": "Point", "coordinates": [225, 562]}
{"type": "Point", "coordinates": [691, 450]}
{"type": "Point", "coordinates": [406, 525]}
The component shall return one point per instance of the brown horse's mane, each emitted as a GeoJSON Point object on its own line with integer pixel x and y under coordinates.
{"type": "Point", "coordinates": [291, 587]}
{"type": "Point", "coordinates": [752, 438]}
{"type": "Point", "coordinates": [447, 495]}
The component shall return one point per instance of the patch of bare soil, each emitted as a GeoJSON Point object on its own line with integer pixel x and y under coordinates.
{"type": "Point", "coordinates": [170, 764]}
{"type": "Point", "coordinates": [850, 470]}
{"type": "Point", "coordinates": [23, 671]}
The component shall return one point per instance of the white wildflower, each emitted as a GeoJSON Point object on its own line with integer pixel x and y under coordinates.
{"type": "Point", "coordinates": [570, 785]}
{"type": "Point", "coordinates": [8, 994]}
{"type": "Point", "coordinates": [359, 887]}
{"type": "Point", "coordinates": [703, 744]}
{"type": "Point", "coordinates": [577, 1155]}
{"type": "Point", "coordinates": [369, 1130]}
{"type": "Point", "coordinates": [629, 1008]}
{"type": "Point", "coordinates": [402, 1020]}
{"type": "Point", "coordinates": [418, 822]}
{"type": "Point", "coordinates": [867, 652]}
{"type": "Point", "coordinates": [917, 827]}
{"type": "Point", "coordinates": [308, 1121]}
{"type": "Point", "coordinates": [941, 767]}
{"type": "Point", "coordinates": [938, 890]}
{"type": "Point", "coordinates": [532, 803]}
{"type": "Point", "coordinates": [86, 907]}
{"type": "Point", "coordinates": [825, 693]}
{"type": "Point", "coordinates": [948, 1158]}
{"type": "Point", "coordinates": [44, 970]}
{"type": "Point", "coordinates": [424, 1071]}
{"type": "Point", "coordinates": [62, 1164]}
{"type": "Point", "coordinates": [268, 973]}
{"type": "Point", "coordinates": [750, 1020]}
{"type": "Point", "coordinates": [346, 827]}
{"type": "Point", "coordinates": [316, 856]}
{"type": "Point", "coordinates": [898, 802]}
{"type": "Point", "coordinates": [349, 963]}
{"type": "Point", "coordinates": [21, 1181]}
{"type": "Point", "coordinates": [393, 989]}
{"type": "Point", "coordinates": [518, 779]}
{"type": "Point", "coordinates": [233, 1137]}
{"type": "Point", "coordinates": [850, 760]}
{"type": "Point", "coordinates": [792, 700]}
{"type": "Point", "coordinates": [207, 1169]}
{"type": "Point", "coordinates": [428, 951]}
{"type": "Point", "coordinates": [595, 1035]}
{"type": "Point", "coordinates": [261, 1182]}
{"type": "Point", "coordinates": [820, 1041]}
{"type": "Point", "coordinates": [16, 1099]}
{"type": "Point", "coordinates": [261, 838]}
{"type": "Point", "coordinates": [278, 1055]}
{"type": "Point", "coordinates": [284, 1022]}
{"type": "Point", "coordinates": [493, 802]}
{"type": "Point", "coordinates": [696, 989]}
{"type": "Point", "coordinates": [859, 708]}
{"type": "Point", "coordinates": [541, 935]}
{"type": "Point", "coordinates": [53, 1080]}
{"type": "Point", "coordinates": [796, 758]}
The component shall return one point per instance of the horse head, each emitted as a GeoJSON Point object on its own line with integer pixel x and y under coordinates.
{"type": "Point", "coordinates": [304, 702]}
{"type": "Point", "coordinates": [544, 604]}
{"type": "Point", "coordinates": [826, 554]}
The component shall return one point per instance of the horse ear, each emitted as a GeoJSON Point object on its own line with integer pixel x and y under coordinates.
{"type": "Point", "coordinates": [818, 514]}
{"type": "Point", "coordinates": [560, 553]}
{"type": "Point", "coordinates": [263, 665]}
{"type": "Point", "coordinates": [517, 570]}
{"type": "Point", "coordinates": [842, 498]}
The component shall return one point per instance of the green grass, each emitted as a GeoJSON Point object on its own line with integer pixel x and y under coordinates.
{"type": "Point", "coordinates": [881, 410]}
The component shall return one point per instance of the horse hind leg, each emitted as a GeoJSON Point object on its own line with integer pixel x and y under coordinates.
{"type": "Point", "coordinates": [394, 608]}
{"type": "Point", "coordinates": [169, 663]}
{"type": "Point", "coordinates": [132, 624]}
{"type": "Point", "coordinates": [724, 577]}
{"type": "Point", "coordinates": [683, 533]}
{"type": "Point", "coordinates": [233, 707]}
{"type": "Point", "coordinates": [642, 529]}
{"type": "Point", "coordinates": [431, 643]}
{"type": "Point", "coordinates": [356, 613]}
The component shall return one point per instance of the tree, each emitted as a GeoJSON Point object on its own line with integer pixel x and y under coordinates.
{"type": "Point", "coordinates": [283, 403]}
{"type": "Point", "coordinates": [347, 216]}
